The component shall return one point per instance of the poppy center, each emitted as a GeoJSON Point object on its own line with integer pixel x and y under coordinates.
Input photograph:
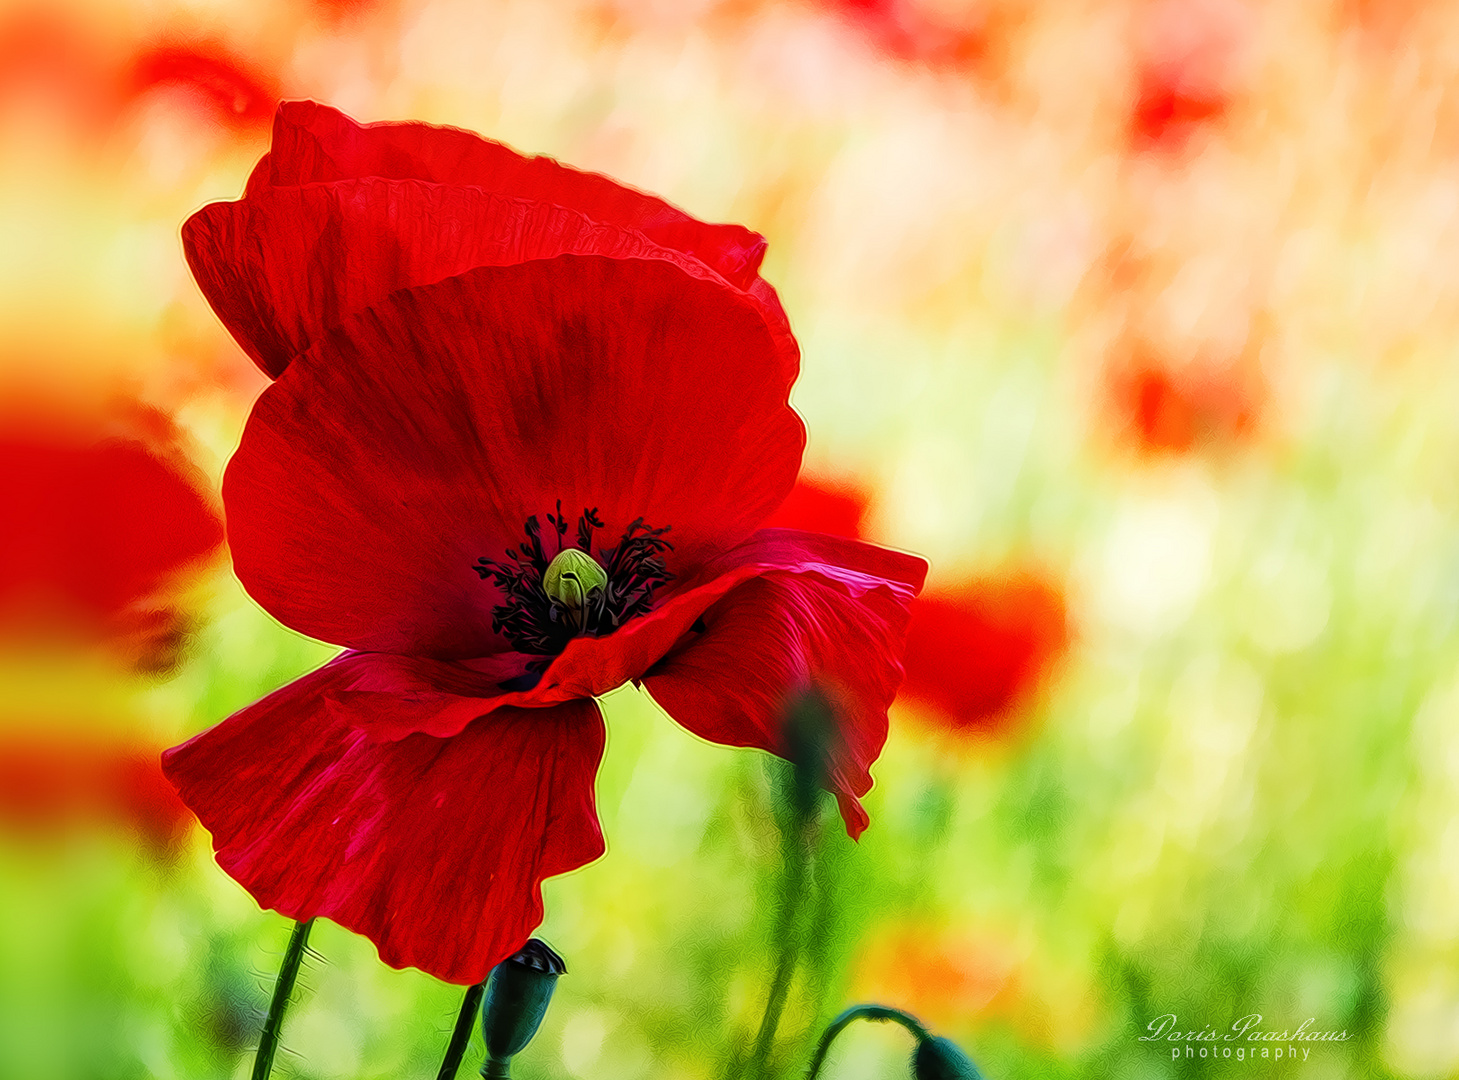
{"type": "Point", "coordinates": [551, 599]}
{"type": "Point", "coordinates": [572, 581]}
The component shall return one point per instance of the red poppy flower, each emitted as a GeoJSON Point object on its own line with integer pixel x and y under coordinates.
{"type": "Point", "coordinates": [1178, 408]}
{"type": "Point", "coordinates": [525, 425]}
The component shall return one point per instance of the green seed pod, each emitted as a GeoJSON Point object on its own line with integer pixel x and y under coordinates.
{"type": "Point", "coordinates": [517, 997]}
{"type": "Point", "coordinates": [941, 1059]}
{"type": "Point", "coordinates": [571, 576]}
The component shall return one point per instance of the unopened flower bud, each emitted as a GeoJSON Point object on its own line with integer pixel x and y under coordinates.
{"type": "Point", "coordinates": [516, 1000]}
{"type": "Point", "coordinates": [941, 1059]}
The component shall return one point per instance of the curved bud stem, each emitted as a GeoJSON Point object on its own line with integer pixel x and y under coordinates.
{"type": "Point", "coordinates": [461, 1035]}
{"type": "Point", "coordinates": [268, 1043]}
{"type": "Point", "coordinates": [863, 1012]}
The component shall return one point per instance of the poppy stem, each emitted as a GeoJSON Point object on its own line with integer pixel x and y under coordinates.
{"type": "Point", "coordinates": [268, 1043]}
{"type": "Point", "coordinates": [797, 858]}
{"type": "Point", "coordinates": [862, 1012]}
{"type": "Point", "coordinates": [461, 1036]}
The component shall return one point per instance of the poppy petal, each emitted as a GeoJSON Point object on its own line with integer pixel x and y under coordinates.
{"type": "Point", "coordinates": [434, 849]}
{"type": "Point", "coordinates": [621, 385]}
{"type": "Point", "coordinates": [313, 143]}
{"type": "Point", "coordinates": [285, 265]}
{"type": "Point", "coordinates": [838, 621]}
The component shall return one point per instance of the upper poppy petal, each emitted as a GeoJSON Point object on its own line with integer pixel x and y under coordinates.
{"type": "Point", "coordinates": [286, 264]}
{"type": "Point", "coordinates": [314, 143]}
{"type": "Point", "coordinates": [837, 620]}
{"type": "Point", "coordinates": [365, 488]}
{"type": "Point", "coordinates": [434, 849]}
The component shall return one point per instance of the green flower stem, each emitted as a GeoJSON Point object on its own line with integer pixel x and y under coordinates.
{"type": "Point", "coordinates": [461, 1035]}
{"type": "Point", "coordinates": [799, 848]}
{"type": "Point", "coordinates": [268, 1043]}
{"type": "Point", "coordinates": [862, 1012]}
{"type": "Point", "coordinates": [784, 968]}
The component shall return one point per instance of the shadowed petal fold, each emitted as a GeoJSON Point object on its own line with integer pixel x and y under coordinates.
{"type": "Point", "coordinates": [435, 849]}
{"type": "Point", "coordinates": [422, 434]}
{"type": "Point", "coordinates": [837, 618]}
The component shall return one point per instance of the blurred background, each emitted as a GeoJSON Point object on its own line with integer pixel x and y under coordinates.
{"type": "Point", "coordinates": [1136, 317]}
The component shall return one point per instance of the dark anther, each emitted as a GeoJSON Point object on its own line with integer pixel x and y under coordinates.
{"type": "Point", "coordinates": [538, 625]}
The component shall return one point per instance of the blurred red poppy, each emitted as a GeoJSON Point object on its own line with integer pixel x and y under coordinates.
{"type": "Point", "coordinates": [44, 56]}
{"type": "Point", "coordinates": [54, 57]}
{"type": "Point", "coordinates": [1168, 109]}
{"type": "Point", "coordinates": [525, 426]}
{"type": "Point", "coordinates": [822, 505]}
{"type": "Point", "coordinates": [54, 783]}
{"type": "Point", "coordinates": [1169, 409]}
{"type": "Point", "coordinates": [975, 652]}
{"type": "Point", "coordinates": [944, 978]}
{"type": "Point", "coordinates": [925, 33]}
{"type": "Point", "coordinates": [238, 93]}
{"type": "Point", "coordinates": [1187, 55]}
{"type": "Point", "coordinates": [96, 519]}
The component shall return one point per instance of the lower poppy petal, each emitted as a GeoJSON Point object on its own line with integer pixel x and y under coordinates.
{"type": "Point", "coordinates": [837, 621]}
{"type": "Point", "coordinates": [434, 849]}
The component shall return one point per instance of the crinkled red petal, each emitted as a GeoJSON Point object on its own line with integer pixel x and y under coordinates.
{"type": "Point", "coordinates": [285, 265]}
{"type": "Point", "coordinates": [313, 143]}
{"type": "Point", "coordinates": [836, 620]}
{"type": "Point", "coordinates": [434, 849]}
{"type": "Point", "coordinates": [422, 434]}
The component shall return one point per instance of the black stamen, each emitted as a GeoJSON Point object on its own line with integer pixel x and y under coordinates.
{"type": "Point", "coordinates": [538, 625]}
